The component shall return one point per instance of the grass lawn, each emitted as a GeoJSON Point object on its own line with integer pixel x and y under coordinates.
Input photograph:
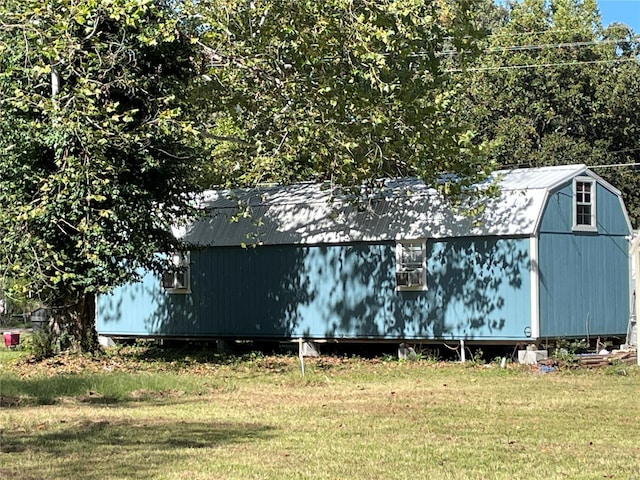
{"type": "Point", "coordinates": [131, 416]}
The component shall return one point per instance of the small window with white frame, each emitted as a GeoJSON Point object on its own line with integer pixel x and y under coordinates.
{"type": "Point", "coordinates": [584, 204]}
{"type": "Point", "coordinates": [177, 278]}
{"type": "Point", "coordinates": [411, 265]}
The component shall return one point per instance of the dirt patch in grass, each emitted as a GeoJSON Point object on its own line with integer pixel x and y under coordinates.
{"type": "Point", "coordinates": [8, 401]}
{"type": "Point", "coordinates": [145, 394]}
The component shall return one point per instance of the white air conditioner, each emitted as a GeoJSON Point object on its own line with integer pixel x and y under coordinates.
{"type": "Point", "coordinates": [410, 278]}
{"type": "Point", "coordinates": [175, 280]}
{"type": "Point", "coordinates": [168, 280]}
{"type": "Point", "coordinates": [181, 279]}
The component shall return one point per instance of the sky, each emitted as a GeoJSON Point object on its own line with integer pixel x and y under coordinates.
{"type": "Point", "coordinates": [623, 11]}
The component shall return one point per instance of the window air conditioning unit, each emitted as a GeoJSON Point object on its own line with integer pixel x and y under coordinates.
{"type": "Point", "coordinates": [411, 278]}
{"type": "Point", "coordinates": [181, 279]}
{"type": "Point", "coordinates": [174, 280]}
{"type": "Point", "coordinates": [168, 280]}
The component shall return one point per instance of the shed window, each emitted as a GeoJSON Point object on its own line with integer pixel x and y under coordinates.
{"type": "Point", "coordinates": [177, 278]}
{"type": "Point", "coordinates": [584, 204]}
{"type": "Point", "coordinates": [411, 259]}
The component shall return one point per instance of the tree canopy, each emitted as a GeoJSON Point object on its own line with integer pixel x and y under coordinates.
{"type": "Point", "coordinates": [116, 111]}
{"type": "Point", "coordinates": [338, 90]}
{"type": "Point", "coordinates": [94, 145]}
{"type": "Point", "coordinates": [108, 106]}
{"type": "Point", "coordinates": [554, 87]}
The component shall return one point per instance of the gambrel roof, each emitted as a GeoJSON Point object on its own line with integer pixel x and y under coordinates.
{"type": "Point", "coordinates": [403, 209]}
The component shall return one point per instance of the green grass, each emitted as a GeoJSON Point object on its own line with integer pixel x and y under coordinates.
{"type": "Point", "coordinates": [8, 355]}
{"type": "Point", "coordinates": [224, 418]}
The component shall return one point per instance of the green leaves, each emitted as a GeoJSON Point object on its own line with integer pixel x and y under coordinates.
{"type": "Point", "coordinates": [341, 91]}
{"type": "Point", "coordinates": [93, 177]}
{"type": "Point", "coordinates": [554, 87]}
{"type": "Point", "coordinates": [107, 113]}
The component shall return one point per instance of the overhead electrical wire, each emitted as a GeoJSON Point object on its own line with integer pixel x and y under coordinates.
{"type": "Point", "coordinates": [583, 157]}
{"type": "Point", "coordinates": [591, 166]}
{"type": "Point", "coordinates": [539, 46]}
{"type": "Point", "coordinates": [561, 45]}
{"type": "Point", "coordinates": [538, 65]}
{"type": "Point", "coordinates": [542, 46]}
{"type": "Point", "coordinates": [522, 34]}
{"type": "Point", "coordinates": [617, 165]}
{"type": "Point", "coordinates": [538, 32]}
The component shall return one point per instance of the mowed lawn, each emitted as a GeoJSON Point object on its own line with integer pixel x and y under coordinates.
{"type": "Point", "coordinates": [255, 417]}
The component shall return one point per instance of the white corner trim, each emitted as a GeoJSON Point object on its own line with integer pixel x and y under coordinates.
{"type": "Point", "coordinates": [626, 218]}
{"type": "Point", "coordinates": [535, 287]}
{"type": "Point", "coordinates": [545, 202]}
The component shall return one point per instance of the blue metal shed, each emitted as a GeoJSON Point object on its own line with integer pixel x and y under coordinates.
{"type": "Point", "coordinates": [547, 258]}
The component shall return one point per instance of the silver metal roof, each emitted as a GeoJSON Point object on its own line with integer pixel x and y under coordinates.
{"type": "Point", "coordinates": [403, 209]}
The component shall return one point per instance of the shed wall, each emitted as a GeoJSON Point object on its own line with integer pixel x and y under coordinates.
{"type": "Point", "coordinates": [584, 277]}
{"type": "Point", "coordinates": [557, 216]}
{"type": "Point", "coordinates": [584, 285]}
{"type": "Point", "coordinates": [478, 288]}
{"type": "Point", "coordinates": [635, 262]}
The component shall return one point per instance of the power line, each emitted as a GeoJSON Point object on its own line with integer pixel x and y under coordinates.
{"type": "Point", "coordinates": [542, 46]}
{"type": "Point", "coordinates": [591, 155]}
{"type": "Point", "coordinates": [617, 165]}
{"type": "Point", "coordinates": [537, 65]}
{"type": "Point", "coordinates": [522, 34]}
{"type": "Point", "coordinates": [625, 150]}
{"type": "Point", "coordinates": [538, 32]}
{"type": "Point", "coordinates": [591, 167]}
{"type": "Point", "coordinates": [583, 157]}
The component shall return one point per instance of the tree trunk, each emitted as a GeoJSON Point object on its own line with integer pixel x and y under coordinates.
{"type": "Point", "coordinates": [78, 321]}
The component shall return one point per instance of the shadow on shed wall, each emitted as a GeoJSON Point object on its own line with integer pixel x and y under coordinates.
{"type": "Point", "coordinates": [477, 288]}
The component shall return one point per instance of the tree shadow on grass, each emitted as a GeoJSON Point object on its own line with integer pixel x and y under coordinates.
{"type": "Point", "coordinates": [185, 353]}
{"type": "Point", "coordinates": [96, 389]}
{"type": "Point", "coordinates": [134, 449]}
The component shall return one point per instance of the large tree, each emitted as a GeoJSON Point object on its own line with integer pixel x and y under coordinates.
{"type": "Point", "coordinates": [555, 87]}
{"type": "Point", "coordinates": [339, 90]}
{"type": "Point", "coordinates": [94, 147]}
{"type": "Point", "coordinates": [101, 119]}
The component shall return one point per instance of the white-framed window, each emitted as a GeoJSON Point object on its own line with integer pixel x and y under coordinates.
{"type": "Point", "coordinates": [411, 265]}
{"type": "Point", "coordinates": [177, 279]}
{"type": "Point", "coordinates": [584, 204]}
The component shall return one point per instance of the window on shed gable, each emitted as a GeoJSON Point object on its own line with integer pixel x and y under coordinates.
{"type": "Point", "coordinates": [584, 204]}
{"type": "Point", "coordinates": [411, 259]}
{"type": "Point", "coordinates": [177, 278]}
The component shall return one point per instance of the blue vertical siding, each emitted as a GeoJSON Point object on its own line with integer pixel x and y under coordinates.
{"type": "Point", "coordinates": [478, 288]}
{"type": "Point", "coordinates": [584, 276]}
{"type": "Point", "coordinates": [584, 285]}
{"type": "Point", "coordinates": [558, 213]}
{"type": "Point", "coordinates": [143, 308]}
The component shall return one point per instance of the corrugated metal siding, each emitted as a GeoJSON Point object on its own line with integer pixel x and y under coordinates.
{"type": "Point", "coordinates": [478, 288]}
{"type": "Point", "coordinates": [584, 285]}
